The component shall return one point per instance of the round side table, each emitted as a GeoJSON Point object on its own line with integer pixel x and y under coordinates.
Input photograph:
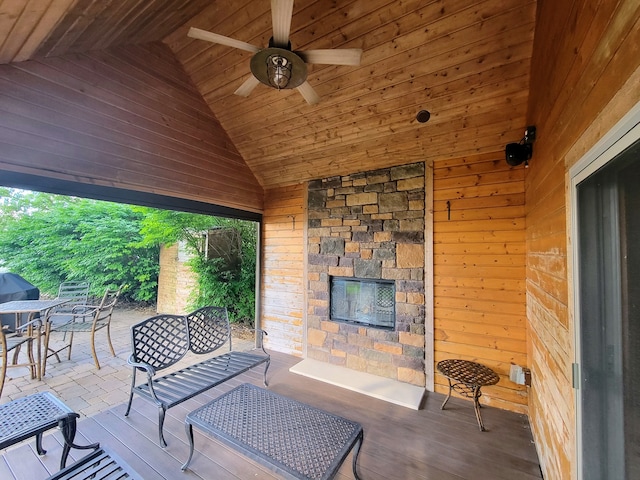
{"type": "Point", "coordinates": [467, 378]}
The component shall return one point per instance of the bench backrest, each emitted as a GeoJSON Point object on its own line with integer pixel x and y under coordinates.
{"type": "Point", "coordinates": [160, 341]}
{"type": "Point", "coordinates": [208, 329]}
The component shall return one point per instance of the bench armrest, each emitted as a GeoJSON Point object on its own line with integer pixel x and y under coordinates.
{"type": "Point", "coordinates": [142, 366]}
{"type": "Point", "coordinates": [262, 334]}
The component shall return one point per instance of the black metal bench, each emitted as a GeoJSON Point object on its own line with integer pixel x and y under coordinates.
{"type": "Point", "coordinates": [161, 341]}
{"type": "Point", "coordinates": [102, 464]}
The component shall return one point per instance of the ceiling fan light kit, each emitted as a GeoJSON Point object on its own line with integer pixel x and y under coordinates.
{"type": "Point", "coordinates": [278, 66]}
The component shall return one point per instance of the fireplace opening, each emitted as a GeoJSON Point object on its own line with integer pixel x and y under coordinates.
{"type": "Point", "coordinates": [363, 301]}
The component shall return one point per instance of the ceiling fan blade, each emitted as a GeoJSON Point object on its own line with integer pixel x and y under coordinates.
{"type": "Point", "coordinates": [341, 56]}
{"type": "Point", "coordinates": [281, 13]}
{"type": "Point", "coordinates": [308, 93]}
{"type": "Point", "coordinates": [221, 39]}
{"type": "Point", "coordinates": [247, 86]}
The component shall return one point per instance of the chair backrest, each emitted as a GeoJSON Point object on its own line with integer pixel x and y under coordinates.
{"type": "Point", "coordinates": [107, 304]}
{"type": "Point", "coordinates": [160, 341]}
{"type": "Point", "coordinates": [208, 329]}
{"type": "Point", "coordinates": [76, 293]}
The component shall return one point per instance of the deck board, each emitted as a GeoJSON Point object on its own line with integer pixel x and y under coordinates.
{"type": "Point", "coordinates": [399, 443]}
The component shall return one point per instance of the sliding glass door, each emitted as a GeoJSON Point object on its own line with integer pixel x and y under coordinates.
{"type": "Point", "coordinates": [609, 273]}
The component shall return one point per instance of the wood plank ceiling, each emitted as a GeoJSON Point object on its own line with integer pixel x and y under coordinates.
{"type": "Point", "coordinates": [467, 62]}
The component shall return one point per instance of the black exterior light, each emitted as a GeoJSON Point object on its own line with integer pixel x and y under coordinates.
{"type": "Point", "coordinates": [516, 153]}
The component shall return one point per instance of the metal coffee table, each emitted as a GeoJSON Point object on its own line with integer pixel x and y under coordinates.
{"type": "Point", "coordinates": [296, 440]}
{"type": "Point", "coordinates": [32, 416]}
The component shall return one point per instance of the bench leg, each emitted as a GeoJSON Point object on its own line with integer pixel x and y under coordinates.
{"type": "Point", "coordinates": [161, 413]}
{"type": "Point", "coordinates": [189, 429]}
{"type": "Point", "coordinates": [133, 385]}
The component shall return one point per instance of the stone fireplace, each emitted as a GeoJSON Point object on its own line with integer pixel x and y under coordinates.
{"type": "Point", "coordinates": [368, 229]}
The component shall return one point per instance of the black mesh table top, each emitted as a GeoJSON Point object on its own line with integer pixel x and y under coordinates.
{"type": "Point", "coordinates": [34, 414]}
{"type": "Point", "coordinates": [468, 372]}
{"type": "Point", "coordinates": [295, 439]}
{"type": "Point", "coordinates": [24, 417]}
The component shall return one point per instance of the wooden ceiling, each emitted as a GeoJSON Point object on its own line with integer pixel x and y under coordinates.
{"type": "Point", "coordinates": [466, 61]}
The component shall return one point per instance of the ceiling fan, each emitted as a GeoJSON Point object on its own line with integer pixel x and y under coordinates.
{"type": "Point", "coordinates": [277, 65]}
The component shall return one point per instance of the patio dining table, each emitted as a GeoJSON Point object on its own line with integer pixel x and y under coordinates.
{"type": "Point", "coordinates": [32, 308]}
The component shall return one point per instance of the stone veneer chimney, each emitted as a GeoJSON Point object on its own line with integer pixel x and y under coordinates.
{"type": "Point", "coordinates": [369, 225]}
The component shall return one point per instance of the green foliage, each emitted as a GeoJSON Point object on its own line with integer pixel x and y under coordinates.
{"type": "Point", "coordinates": [232, 289]}
{"type": "Point", "coordinates": [48, 239]}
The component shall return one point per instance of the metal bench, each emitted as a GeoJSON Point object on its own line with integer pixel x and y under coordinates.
{"type": "Point", "coordinates": [98, 465]}
{"type": "Point", "coordinates": [161, 341]}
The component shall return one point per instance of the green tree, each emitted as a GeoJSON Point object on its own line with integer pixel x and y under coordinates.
{"type": "Point", "coordinates": [49, 239]}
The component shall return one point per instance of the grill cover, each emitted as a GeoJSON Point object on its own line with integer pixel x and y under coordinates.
{"type": "Point", "coordinates": [14, 287]}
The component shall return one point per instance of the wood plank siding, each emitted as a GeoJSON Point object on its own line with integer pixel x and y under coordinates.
{"type": "Point", "coordinates": [115, 94]}
{"type": "Point", "coordinates": [585, 70]}
{"type": "Point", "coordinates": [469, 65]}
{"type": "Point", "coordinates": [479, 268]}
{"type": "Point", "coordinates": [283, 259]}
{"type": "Point", "coordinates": [127, 118]}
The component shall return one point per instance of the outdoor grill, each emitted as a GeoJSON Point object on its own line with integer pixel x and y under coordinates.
{"type": "Point", "coordinates": [14, 287]}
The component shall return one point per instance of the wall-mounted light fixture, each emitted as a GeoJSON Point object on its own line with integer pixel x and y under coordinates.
{"type": "Point", "coordinates": [516, 153]}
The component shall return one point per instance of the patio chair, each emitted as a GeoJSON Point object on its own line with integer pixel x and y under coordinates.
{"type": "Point", "coordinates": [76, 293]}
{"type": "Point", "coordinates": [12, 342]}
{"type": "Point", "coordinates": [84, 318]}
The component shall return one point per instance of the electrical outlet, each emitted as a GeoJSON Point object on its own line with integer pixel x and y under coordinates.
{"type": "Point", "coordinates": [520, 375]}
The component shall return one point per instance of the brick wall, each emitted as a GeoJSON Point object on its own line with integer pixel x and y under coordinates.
{"type": "Point", "coordinates": [369, 225]}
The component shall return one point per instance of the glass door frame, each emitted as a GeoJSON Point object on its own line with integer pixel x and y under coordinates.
{"type": "Point", "coordinates": [621, 136]}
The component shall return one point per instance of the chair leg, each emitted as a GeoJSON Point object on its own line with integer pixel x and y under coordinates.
{"type": "Point", "coordinates": [93, 349]}
{"type": "Point", "coordinates": [70, 344]}
{"type": "Point", "coordinates": [3, 372]}
{"type": "Point", "coordinates": [31, 361]}
{"type": "Point", "coordinates": [113, 352]}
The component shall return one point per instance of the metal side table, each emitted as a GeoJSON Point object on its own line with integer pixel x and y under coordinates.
{"type": "Point", "coordinates": [467, 378]}
{"type": "Point", "coordinates": [32, 416]}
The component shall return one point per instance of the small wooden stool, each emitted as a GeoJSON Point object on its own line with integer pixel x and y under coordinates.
{"type": "Point", "coordinates": [467, 378]}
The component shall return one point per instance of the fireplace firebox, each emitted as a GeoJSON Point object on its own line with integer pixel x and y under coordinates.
{"type": "Point", "coordinates": [369, 302]}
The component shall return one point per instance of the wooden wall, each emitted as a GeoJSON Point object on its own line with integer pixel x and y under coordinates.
{"type": "Point", "coordinates": [584, 78]}
{"type": "Point", "coordinates": [479, 270]}
{"type": "Point", "coordinates": [127, 117]}
{"type": "Point", "coordinates": [282, 277]}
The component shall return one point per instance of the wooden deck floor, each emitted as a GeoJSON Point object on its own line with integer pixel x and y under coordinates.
{"type": "Point", "coordinates": [399, 443]}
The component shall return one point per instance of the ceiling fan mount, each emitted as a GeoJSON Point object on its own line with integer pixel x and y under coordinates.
{"type": "Point", "coordinates": [277, 66]}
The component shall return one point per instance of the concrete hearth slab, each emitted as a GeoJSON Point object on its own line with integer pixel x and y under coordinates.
{"type": "Point", "coordinates": [386, 389]}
